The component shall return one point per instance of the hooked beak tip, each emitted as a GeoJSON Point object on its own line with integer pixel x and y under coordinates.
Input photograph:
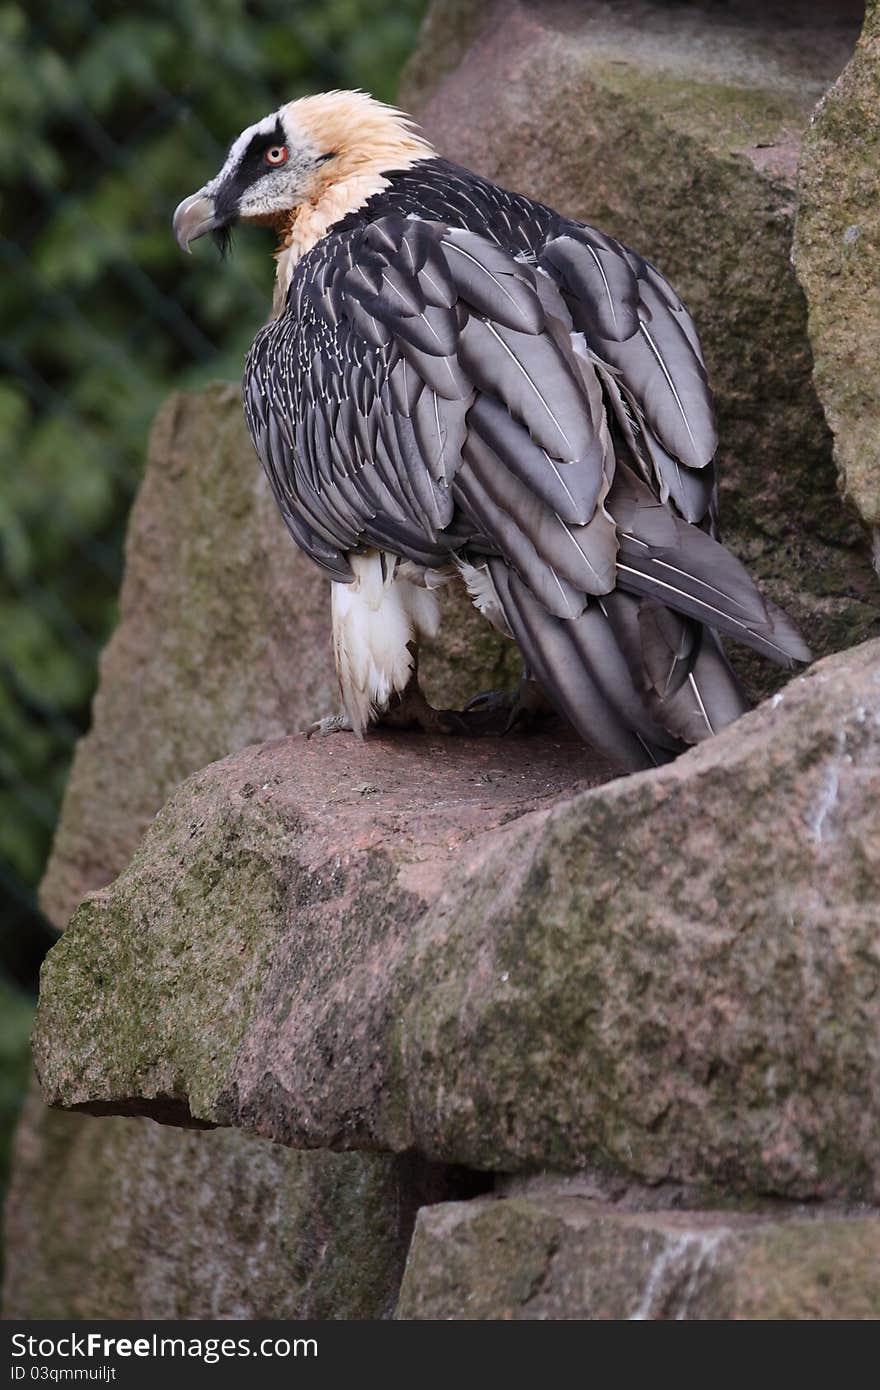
{"type": "Point", "coordinates": [194, 216]}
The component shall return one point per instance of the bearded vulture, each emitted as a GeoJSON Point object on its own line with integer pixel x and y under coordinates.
{"type": "Point", "coordinates": [458, 381]}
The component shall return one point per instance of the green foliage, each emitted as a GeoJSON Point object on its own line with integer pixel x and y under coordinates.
{"type": "Point", "coordinates": [16, 1018]}
{"type": "Point", "coordinates": [110, 113]}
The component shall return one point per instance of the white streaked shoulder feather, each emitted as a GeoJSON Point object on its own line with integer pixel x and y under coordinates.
{"type": "Point", "coordinates": [484, 595]}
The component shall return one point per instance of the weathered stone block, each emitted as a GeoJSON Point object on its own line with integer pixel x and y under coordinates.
{"type": "Point", "coordinates": [454, 948]}
{"type": "Point", "coordinates": [124, 1218]}
{"type": "Point", "coordinates": [837, 254]}
{"type": "Point", "coordinates": [570, 1257]}
{"type": "Point", "coordinates": [223, 639]}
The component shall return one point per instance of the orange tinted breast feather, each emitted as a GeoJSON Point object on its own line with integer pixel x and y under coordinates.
{"type": "Point", "coordinates": [365, 138]}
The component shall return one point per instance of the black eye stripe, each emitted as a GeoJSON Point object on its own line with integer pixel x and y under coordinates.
{"type": "Point", "coordinates": [256, 150]}
{"type": "Point", "coordinates": [251, 167]}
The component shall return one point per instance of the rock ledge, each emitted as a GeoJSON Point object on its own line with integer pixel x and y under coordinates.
{"type": "Point", "coordinates": [473, 951]}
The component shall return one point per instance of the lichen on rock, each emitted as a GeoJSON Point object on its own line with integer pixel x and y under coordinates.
{"type": "Point", "coordinates": [837, 253]}
{"type": "Point", "coordinates": [473, 952]}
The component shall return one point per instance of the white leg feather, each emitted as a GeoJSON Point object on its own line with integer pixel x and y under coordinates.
{"type": "Point", "coordinates": [374, 620]}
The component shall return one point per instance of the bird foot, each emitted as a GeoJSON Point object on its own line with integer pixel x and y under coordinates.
{"type": "Point", "coordinates": [491, 713]}
{"type": "Point", "coordinates": [330, 724]}
{"type": "Point", "coordinates": [410, 710]}
{"type": "Point", "coordinates": [510, 711]}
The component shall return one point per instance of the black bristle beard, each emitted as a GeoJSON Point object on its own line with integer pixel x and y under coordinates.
{"type": "Point", "coordinates": [223, 240]}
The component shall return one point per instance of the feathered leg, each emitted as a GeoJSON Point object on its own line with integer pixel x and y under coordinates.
{"type": "Point", "coordinates": [377, 622]}
{"type": "Point", "coordinates": [409, 709]}
{"type": "Point", "coordinates": [490, 713]}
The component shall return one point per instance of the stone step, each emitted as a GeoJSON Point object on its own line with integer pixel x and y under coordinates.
{"type": "Point", "coordinates": [470, 950]}
{"type": "Point", "coordinates": [561, 1257]}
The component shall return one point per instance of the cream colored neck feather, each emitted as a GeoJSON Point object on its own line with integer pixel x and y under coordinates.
{"type": "Point", "coordinates": [367, 139]}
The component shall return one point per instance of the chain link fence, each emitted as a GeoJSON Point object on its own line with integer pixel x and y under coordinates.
{"type": "Point", "coordinates": [109, 114]}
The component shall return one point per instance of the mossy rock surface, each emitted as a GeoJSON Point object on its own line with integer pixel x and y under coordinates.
{"type": "Point", "coordinates": [559, 1257]}
{"type": "Point", "coordinates": [124, 1218]}
{"type": "Point", "coordinates": [837, 253]}
{"type": "Point", "coordinates": [474, 952]}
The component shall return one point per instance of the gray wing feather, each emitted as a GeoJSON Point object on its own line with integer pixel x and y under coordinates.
{"type": "Point", "coordinates": [650, 275]}
{"type": "Point", "coordinates": [596, 640]}
{"type": "Point", "coordinates": [556, 661]}
{"type": "Point", "coordinates": [664, 558]}
{"type": "Point", "coordinates": [370, 328]}
{"type": "Point", "coordinates": [537, 384]}
{"type": "Point", "coordinates": [557, 594]}
{"type": "Point", "coordinates": [711, 698]}
{"type": "Point", "coordinates": [440, 429]}
{"type": "Point", "coordinates": [667, 647]}
{"type": "Point", "coordinates": [420, 468]}
{"type": "Point", "coordinates": [570, 488]}
{"type": "Point", "coordinates": [667, 379]}
{"type": "Point", "coordinates": [692, 490]}
{"type": "Point", "coordinates": [636, 325]}
{"type": "Point", "coordinates": [703, 697]}
{"type": "Point", "coordinates": [492, 284]}
{"type": "Point", "coordinates": [443, 374]}
{"type": "Point", "coordinates": [599, 283]}
{"type": "Point", "coordinates": [406, 386]}
{"type": "Point", "coordinates": [584, 555]}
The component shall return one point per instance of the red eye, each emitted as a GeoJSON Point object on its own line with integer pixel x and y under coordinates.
{"type": "Point", "coordinates": [276, 155]}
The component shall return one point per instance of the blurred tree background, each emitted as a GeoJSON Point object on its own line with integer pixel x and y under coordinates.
{"type": "Point", "coordinates": [110, 113]}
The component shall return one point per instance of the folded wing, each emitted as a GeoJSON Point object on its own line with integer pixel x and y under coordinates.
{"type": "Point", "coordinates": [427, 393]}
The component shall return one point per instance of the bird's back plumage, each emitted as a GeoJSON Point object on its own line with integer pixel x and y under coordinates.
{"type": "Point", "coordinates": [460, 375]}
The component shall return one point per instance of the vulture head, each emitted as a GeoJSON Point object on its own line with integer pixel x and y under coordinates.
{"type": "Point", "coordinates": [318, 157]}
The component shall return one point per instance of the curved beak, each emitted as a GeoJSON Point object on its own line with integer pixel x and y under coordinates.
{"type": "Point", "coordinates": [195, 216]}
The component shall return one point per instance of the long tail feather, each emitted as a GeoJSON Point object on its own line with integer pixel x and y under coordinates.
{"type": "Point", "coordinates": [711, 698]}
{"type": "Point", "coordinates": [556, 659]}
{"type": "Point", "coordinates": [664, 558]}
{"type": "Point", "coordinates": [705, 695]}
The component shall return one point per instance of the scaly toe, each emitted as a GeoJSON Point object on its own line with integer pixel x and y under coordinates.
{"type": "Point", "coordinates": [493, 702]}
{"type": "Point", "coordinates": [502, 712]}
{"type": "Point", "coordinates": [330, 724]}
{"type": "Point", "coordinates": [476, 720]}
